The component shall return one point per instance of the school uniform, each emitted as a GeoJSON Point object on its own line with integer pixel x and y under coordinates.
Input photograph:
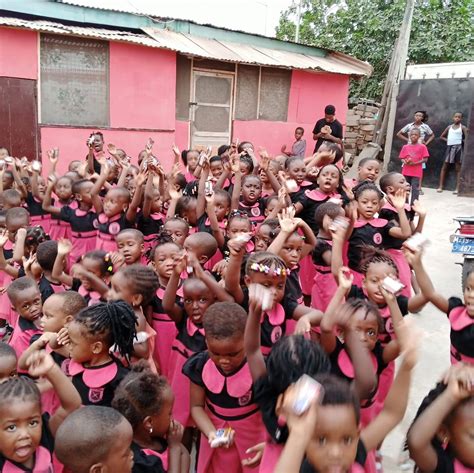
{"type": "Point", "coordinates": [96, 385]}
{"type": "Point", "coordinates": [108, 228]}
{"type": "Point", "coordinates": [146, 460]}
{"type": "Point", "coordinates": [229, 403]}
{"type": "Point", "coordinates": [150, 226]}
{"type": "Point", "coordinates": [43, 456]}
{"type": "Point", "coordinates": [91, 297]}
{"type": "Point", "coordinates": [38, 216]}
{"type": "Point", "coordinates": [23, 333]}
{"type": "Point", "coordinates": [255, 212]}
{"type": "Point", "coordinates": [59, 228]}
{"type": "Point", "coordinates": [462, 332]}
{"type": "Point", "coordinates": [6, 311]}
{"type": "Point", "coordinates": [324, 283]}
{"type": "Point", "coordinates": [447, 463]}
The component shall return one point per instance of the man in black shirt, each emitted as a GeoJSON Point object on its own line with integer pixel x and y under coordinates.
{"type": "Point", "coordinates": [328, 128]}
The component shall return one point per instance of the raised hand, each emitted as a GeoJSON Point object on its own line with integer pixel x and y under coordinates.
{"type": "Point", "coordinates": [418, 208]}
{"type": "Point", "coordinates": [64, 246]}
{"type": "Point", "coordinates": [39, 363]}
{"type": "Point", "coordinates": [176, 152]}
{"type": "Point", "coordinates": [288, 223]}
{"type": "Point", "coordinates": [175, 433]}
{"type": "Point", "coordinates": [112, 149]}
{"type": "Point", "coordinates": [398, 200]}
{"type": "Point", "coordinates": [174, 194]}
{"type": "Point", "coordinates": [53, 155]}
{"type": "Point", "coordinates": [3, 237]}
{"type": "Point", "coordinates": [345, 278]}
{"type": "Point", "coordinates": [63, 337]}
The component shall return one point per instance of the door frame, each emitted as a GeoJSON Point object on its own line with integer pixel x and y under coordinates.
{"type": "Point", "coordinates": [213, 73]}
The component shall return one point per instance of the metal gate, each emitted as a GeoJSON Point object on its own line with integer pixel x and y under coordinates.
{"type": "Point", "coordinates": [211, 111]}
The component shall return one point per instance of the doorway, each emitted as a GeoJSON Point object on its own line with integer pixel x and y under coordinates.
{"type": "Point", "coordinates": [211, 108]}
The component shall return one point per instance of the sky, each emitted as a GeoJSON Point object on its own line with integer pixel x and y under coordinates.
{"type": "Point", "coordinates": [253, 16]}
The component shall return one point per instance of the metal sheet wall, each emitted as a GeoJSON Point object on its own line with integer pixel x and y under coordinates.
{"type": "Point", "coordinates": [440, 98]}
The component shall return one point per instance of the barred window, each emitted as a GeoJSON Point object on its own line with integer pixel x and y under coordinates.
{"type": "Point", "coordinates": [74, 81]}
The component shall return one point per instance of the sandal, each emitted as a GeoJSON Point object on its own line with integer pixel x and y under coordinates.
{"type": "Point", "coordinates": [439, 190]}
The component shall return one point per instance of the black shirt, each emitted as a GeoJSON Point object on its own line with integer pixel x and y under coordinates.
{"type": "Point", "coordinates": [336, 131]}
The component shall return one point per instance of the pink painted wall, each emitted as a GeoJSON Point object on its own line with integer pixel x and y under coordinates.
{"type": "Point", "coordinates": [18, 53]}
{"type": "Point", "coordinates": [142, 87]}
{"type": "Point", "coordinates": [72, 144]}
{"type": "Point", "coordinates": [182, 134]}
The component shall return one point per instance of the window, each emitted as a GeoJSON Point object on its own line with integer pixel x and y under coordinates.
{"type": "Point", "coordinates": [74, 81]}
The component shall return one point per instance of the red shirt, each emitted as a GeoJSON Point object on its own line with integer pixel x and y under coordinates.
{"type": "Point", "coordinates": [416, 153]}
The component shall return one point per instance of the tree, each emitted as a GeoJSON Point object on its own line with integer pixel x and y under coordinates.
{"type": "Point", "coordinates": [368, 29]}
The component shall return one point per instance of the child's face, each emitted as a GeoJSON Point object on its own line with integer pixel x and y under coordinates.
{"type": "Point", "coordinates": [328, 221]}
{"type": "Point", "coordinates": [7, 181]}
{"type": "Point", "coordinates": [74, 166]}
{"type": "Point", "coordinates": [189, 213]}
{"type": "Point", "coordinates": [367, 327]}
{"type": "Point", "coordinates": [333, 446]}
{"type": "Point", "coordinates": [376, 273]}
{"type": "Point", "coordinates": [120, 457]}
{"type": "Point", "coordinates": [166, 257]}
{"type": "Point", "coordinates": [369, 171]}
{"type": "Point", "coordinates": [41, 186]}
{"type": "Point", "coordinates": [262, 237]}
{"type": "Point", "coordinates": [238, 226]}
{"type": "Point", "coordinates": [328, 179]}
{"type": "Point", "coordinates": [469, 294]}
{"type": "Point", "coordinates": [197, 298]}
{"type": "Point", "coordinates": [244, 168]}
{"type": "Point", "coordinates": [221, 207]}
{"type": "Point", "coordinates": [7, 368]}
{"type": "Point", "coordinates": [368, 204]}
{"type": "Point", "coordinates": [63, 188]}
{"type": "Point", "coordinates": [54, 318]}
{"type": "Point", "coordinates": [193, 158]}
{"type": "Point", "coordinates": [270, 207]}
{"type": "Point", "coordinates": [216, 169]}
{"type": "Point", "coordinates": [156, 202]}
{"type": "Point", "coordinates": [120, 289]}
{"type": "Point", "coordinates": [298, 134]}
{"type": "Point", "coordinates": [3, 153]}
{"type": "Point", "coordinates": [291, 250]}
{"type": "Point", "coordinates": [80, 348]}
{"type": "Point", "coordinates": [251, 190]}
{"type": "Point", "coordinates": [414, 136]}
{"type": "Point", "coordinates": [275, 283]}
{"type": "Point", "coordinates": [28, 304]}
{"type": "Point", "coordinates": [419, 117]}
{"type": "Point", "coordinates": [129, 247]}
{"type": "Point", "coordinates": [297, 171]}
{"type": "Point", "coordinates": [162, 420]}
{"type": "Point", "coordinates": [228, 354]}
{"type": "Point", "coordinates": [457, 118]}
{"type": "Point", "coordinates": [93, 266]}
{"type": "Point", "coordinates": [114, 203]}
{"type": "Point", "coordinates": [461, 440]}
{"type": "Point", "coordinates": [85, 193]}
{"type": "Point", "coordinates": [98, 143]}
{"type": "Point", "coordinates": [178, 231]}
{"type": "Point", "coordinates": [20, 434]}
{"type": "Point", "coordinates": [398, 182]}
{"type": "Point", "coordinates": [13, 225]}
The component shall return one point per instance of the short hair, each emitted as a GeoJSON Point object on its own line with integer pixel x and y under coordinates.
{"type": "Point", "coordinates": [222, 149]}
{"type": "Point", "coordinates": [46, 254]}
{"type": "Point", "coordinates": [368, 307]}
{"type": "Point", "coordinates": [330, 110]}
{"type": "Point", "coordinates": [293, 159]}
{"type": "Point", "coordinates": [72, 302]}
{"type": "Point", "coordinates": [17, 213]}
{"type": "Point", "coordinates": [386, 180]}
{"type": "Point", "coordinates": [100, 256]}
{"type": "Point", "coordinates": [78, 185]}
{"type": "Point", "coordinates": [142, 280]}
{"type": "Point", "coordinates": [86, 437]}
{"type": "Point", "coordinates": [299, 128]}
{"type": "Point", "coordinates": [414, 130]}
{"type": "Point", "coordinates": [224, 320]}
{"type": "Point", "coordinates": [248, 177]}
{"type": "Point", "coordinates": [19, 389]}
{"type": "Point", "coordinates": [206, 242]}
{"type": "Point", "coordinates": [179, 220]}
{"type": "Point", "coordinates": [13, 196]}
{"type": "Point", "coordinates": [225, 195]}
{"type": "Point", "coordinates": [123, 192]}
{"type": "Point", "coordinates": [21, 284]}
{"type": "Point", "coordinates": [367, 160]}
{"type": "Point", "coordinates": [215, 159]}
{"type": "Point", "coordinates": [136, 233]}
{"type": "Point", "coordinates": [331, 209]}
{"type": "Point", "coordinates": [7, 351]}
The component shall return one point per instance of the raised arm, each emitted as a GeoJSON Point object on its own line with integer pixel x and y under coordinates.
{"type": "Point", "coordinates": [398, 201]}
{"type": "Point", "coordinates": [99, 183]}
{"type": "Point", "coordinates": [234, 268]}
{"type": "Point", "coordinates": [252, 339]}
{"type": "Point", "coordinates": [201, 196]}
{"type": "Point", "coordinates": [47, 206]}
{"type": "Point", "coordinates": [219, 291]}
{"type": "Point", "coordinates": [169, 297]}
{"type": "Point", "coordinates": [137, 197]}
{"type": "Point", "coordinates": [216, 229]}
{"type": "Point", "coordinates": [148, 196]}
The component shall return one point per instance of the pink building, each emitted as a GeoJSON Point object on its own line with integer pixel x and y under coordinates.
{"type": "Point", "coordinates": [67, 70]}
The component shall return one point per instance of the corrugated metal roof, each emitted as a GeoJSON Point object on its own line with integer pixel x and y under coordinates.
{"type": "Point", "coordinates": [444, 70]}
{"type": "Point", "coordinates": [243, 53]}
{"type": "Point", "coordinates": [206, 48]}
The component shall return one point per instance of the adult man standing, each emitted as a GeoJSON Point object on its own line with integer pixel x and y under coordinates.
{"type": "Point", "coordinates": [327, 128]}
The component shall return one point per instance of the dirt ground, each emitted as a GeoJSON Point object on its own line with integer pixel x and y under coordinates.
{"type": "Point", "coordinates": [446, 277]}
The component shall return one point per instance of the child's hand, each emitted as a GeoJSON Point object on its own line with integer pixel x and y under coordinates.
{"type": "Point", "coordinates": [3, 238]}
{"type": "Point", "coordinates": [283, 149]}
{"type": "Point", "coordinates": [174, 194]}
{"type": "Point", "coordinates": [413, 256]}
{"type": "Point", "coordinates": [64, 246]}
{"type": "Point", "coordinates": [213, 435]}
{"type": "Point", "coordinates": [388, 296]}
{"type": "Point", "coordinates": [345, 278]}
{"type": "Point", "coordinates": [53, 155]}
{"type": "Point", "coordinates": [303, 326]}
{"type": "Point", "coordinates": [180, 265]}
{"type": "Point", "coordinates": [338, 232]}
{"type": "Point", "coordinates": [220, 268]}
{"type": "Point", "coordinates": [112, 149]}
{"type": "Point", "coordinates": [236, 246]}
{"type": "Point", "coordinates": [63, 337]}
{"type": "Point", "coordinates": [28, 263]}
{"type": "Point", "coordinates": [398, 200]}
{"type": "Point", "coordinates": [460, 381]}
{"type": "Point", "coordinates": [255, 460]}
{"type": "Point", "coordinates": [176, 152]}
{"type": "Point", "coordinates": [141, 178]}
{"type": "Point", "coordinates": [209, 200]}
{"type": "Point", "coordinates": [175, 433]}
{"type": "Point", "coordinates": [288, 223]}
{"type": "Point", "coordinates": [282, 194]}
{"type": "Point", "coordinates": [235, 164]}
{"type": "Point", "coordinates": [20, 234]}
{"type": "Point", "coordinates": [117, 259]}
{"type": "Point", "coordinates": [352, 211]}
{"type": "Point", "coordinates": [40, 363]}
{"type": "Point", "coordinates": [409, 337]}
{"type": "Point", "coordinates": [255, 302]}
{"type": "Point", "coordinates": [149, 146]}
{"type": "Point", "coordinates": [44, 340]}
{"type": "Point", "coordinates": [418, 208]}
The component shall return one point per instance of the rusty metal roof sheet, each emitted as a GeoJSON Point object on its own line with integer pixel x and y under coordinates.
{"type": "Point", "coordinates": [192, 45]}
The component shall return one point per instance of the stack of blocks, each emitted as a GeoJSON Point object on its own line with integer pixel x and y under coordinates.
{"type": "Point", "coordinates": [360, 126]}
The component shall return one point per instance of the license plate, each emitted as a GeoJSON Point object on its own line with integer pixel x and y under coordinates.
{"type": "Point", "coordinates": [463, 245]}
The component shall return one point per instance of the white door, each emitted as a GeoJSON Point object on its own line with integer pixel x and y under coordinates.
{"type": "Point", "coordinates": [211, 109]}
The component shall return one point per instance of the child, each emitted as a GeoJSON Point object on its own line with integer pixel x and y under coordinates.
{"type": "Point", "coordinates": [146, 401]}
{"type": "Point", "coordinates": [136, 285]}
{"type": "Point", "coordinates": [80, 217]}
{"type": "Point", "coordinates": [460, 313]}
{"type": "Point", "coordinates": [25, 298]}
{"type": "Point", "coordinates": [221, 392]}
{"type": "Point", "coordinates": [131, 245]}
{"type": "Point", "coordinates": [425, 132]}
{"type": "Point", "coordinates": [177, 228]}
{"type": "Point", "coordinates": [8, 362]}
{"type": "Point", "coordinates": [413, 156]}
{"type": "Point", "coordinates": [454, 135]}
{"type": "Point", "coordinates": [95, 439]}
{"type": "Point", "coordinates": [367, 170]}
{"type": "Point", "coordinates": [299, 146]}
{"type": "Point", "coordinates": [94, 371]}
{"type": "Point", "coordinates": [63, 189]}
{"type": "Point", "coordinates": [238, 224]}
{"type": "Point", "coordinates": [440, 438]}
{"type": "Point", "coordinates": [27, 438]}
{"type": "Point", "coordinates": [246, 196]}
{"type": "Point", "coordinates": [329, 435]}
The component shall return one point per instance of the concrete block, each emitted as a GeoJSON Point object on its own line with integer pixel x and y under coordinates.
{"type": "Point", "coordinates": [366, 108]}
{"type": "Point", "coordinates": [352, 120]}
{"type": "Point", "coordinates": [367, 127]}
{"type": "Point", "coordinates": [367, 121]}
{"type": "Point", "coordinates": [351, 134]}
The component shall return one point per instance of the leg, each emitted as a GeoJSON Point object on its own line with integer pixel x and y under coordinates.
{"type": "Point", "coordinates": [442, 176]}
{"type": "Point", "coordinates": [415, 189]}
{"type": "Point", "coordinates": [458, 176]}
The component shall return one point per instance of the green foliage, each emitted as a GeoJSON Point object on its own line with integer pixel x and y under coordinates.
{"type": "Point", "coordinates": [368, 30]}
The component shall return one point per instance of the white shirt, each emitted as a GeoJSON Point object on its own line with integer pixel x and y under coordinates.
{"type": "Point", "coordinates": [454, 135]}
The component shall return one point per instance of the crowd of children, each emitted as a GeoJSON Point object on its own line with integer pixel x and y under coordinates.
{"type": "Point", "coordinates": [239, 313]}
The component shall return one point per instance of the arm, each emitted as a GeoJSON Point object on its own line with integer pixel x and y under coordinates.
{"type": "Point", "coordinates": [95, 191]}
{"type": "Point", "coordinates": [203, 422]}
{"type": "Point", "coordinates": [17, 178]}
{"type": "Point", "coordinates": [37, 345]}
{"type": "Point", "coordinates": [431, 138]}
{"type": "Point", "coordinates": [19, 248]}
{"type": "Point", "coordinates": [402, 136]}
{"type": "Point", "coordinates": [47, 207]}
{"type": "Point", "coordinates": [444, 135]}
{"type": "Point", "coordinates": [232, 276]}
{"type": "Point", "coordinates": [201, 197]}
{"type": "Point", "coordinates": [34, 185]}
{"type": "Point", "coordinates": [175, 196]}
{"type": "Point", "coordinates": [123, 175]}
{"type": "Point", "coordinates": [398, 201]}
{"type": "Point", "coordinates": [219, 291]}
{"type": "Point", "coordinates": [169, 297]}
{"type": "Point", "coordinates": [237, 188]}
{"type": "Point", "coordinates": [216, 230]}
{"type": "Point", "coordinates": [148, 196]}
{"type": "Point", "coordinates": [252, 340]}
{"type": "Point", "coordinates": [64, 248]}
{"type": "Point", "coordinates": [421, 212]}
{"type": "Point", "coordinates": [309, 238]}
{"type": "Point", "coordinates": [137, 197]}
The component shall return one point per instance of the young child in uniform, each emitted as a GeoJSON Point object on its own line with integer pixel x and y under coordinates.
{"type": "Point", "coordinates": [221, 392]}
{"type": "Point", "coordinates": [8, 362]}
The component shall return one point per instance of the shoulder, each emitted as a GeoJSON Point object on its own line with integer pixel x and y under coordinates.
{"type": "Point", "coordinates": [453, 303]}
{"type": "Point", "coordinates": [146, 461]}
{"type": "Point", "coordinates": [356, 292]}
{"type": "Point", "coordinates": [194, 366]}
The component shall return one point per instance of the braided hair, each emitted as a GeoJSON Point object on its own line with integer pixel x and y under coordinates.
{"type": "Point", "coordinates": [142, 280]}
{"type": "Point", "coordinates": [19, 388]}
{"type": "Point", "coordinates": [34, 236]}
{"type": "Point", "coordinates": [140, 394]}
{"type": "Point", "coordinates": [100, 256]}
{"type": "Point", "coordinates": [359, 189]}
{"type": "Point", "coordinates": [368, 307]}
{"type": "Point", "coordinates": [114, 322]}
{"type": "Point", "coordinates": [265, 258]}
{"type": "Point", "coordinates": [371, 255]}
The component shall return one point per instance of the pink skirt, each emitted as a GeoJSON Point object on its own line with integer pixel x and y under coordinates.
{"type": "Point", "coordinates": [82, 243]}
{"type": "Point", "coordinates": [404, 271]}
{"type": "Point", "coordinates": [108, 245]}
{"type": "Point", "coordinates": [59, 229]}
{"type": "Point", "coordinates": [271, 455]}
{"type": "Point", "coordinates": [43, 220]}
{"type": "Point", "coordinates": [323, 290]}
{"type": "Point", "coordinates": [6, 311]}
{"type": "Point", "coordinates": [165, 335]}
{"type": "Point", "coordinates": [307, 274]}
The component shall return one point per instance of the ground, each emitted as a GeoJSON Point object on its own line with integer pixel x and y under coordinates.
{"type": "Point", "coordinates": [446, 277]}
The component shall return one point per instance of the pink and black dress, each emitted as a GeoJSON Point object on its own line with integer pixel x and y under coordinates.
{"type": "Point", "coordinates": [6, 311]}
{"type": "Point", "coordinates": [255, 212]}
{"type": "Point", "coordinates": [462, 332]}
{"type": "Point", "coordinates": [448, 463]}
{"type": "Point", "coordinates": [150, 226]}
{"type": "Point", "coordinates": [59, 228]}
{"type": "Point", "coordinates": [324, 283]}
{"type": "Point", "coordinates": [229, 403]}
{"type": "Point", "coordinates": [96, 385]}
{"type": "Point", "coordinates": [23, 335]}
{"type": "Point", "coordinates": [83, 231]}
{"type": "Point", "coordinates": [146, 460]}
{"type": "Point", "coordinates": [38, 216]}
{"type": "Point", "coordinates": [43, 456]}
{"type": "Point", "coordinates": [366, 233]}
{"type": "Point", "coordinates": [108, 229]}
{"type": "Point", "coordinates": [165, 329]}
{"type": "Point", "coordinates": [394, 245]}
{"type": "Point", "coordinates": [189, 341]}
